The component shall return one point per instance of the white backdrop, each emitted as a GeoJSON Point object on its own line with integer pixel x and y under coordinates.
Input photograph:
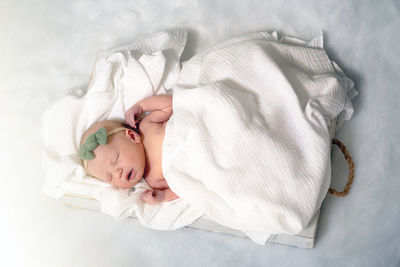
{"type": "Point", "coordinates": [48, 47]}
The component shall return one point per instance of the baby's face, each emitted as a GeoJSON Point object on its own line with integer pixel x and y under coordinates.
{"type": "Point", "coordinates": [121, 162]}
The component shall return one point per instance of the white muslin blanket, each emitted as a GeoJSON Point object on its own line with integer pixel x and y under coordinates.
{"type": "Point", "coordinates": [247, 145]}
{"type": "Point", "coordinates": [248, 142]}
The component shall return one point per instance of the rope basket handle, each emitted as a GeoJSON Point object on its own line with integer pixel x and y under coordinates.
{"type": "Point", "coordinates": [351, 170]}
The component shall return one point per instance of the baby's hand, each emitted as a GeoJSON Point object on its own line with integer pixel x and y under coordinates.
{"type": "Point", "coordinates": [132, 114]}
{"type": "Point", "coordinates": [152, 197]}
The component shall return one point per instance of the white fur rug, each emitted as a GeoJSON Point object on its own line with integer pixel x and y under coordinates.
{"type": "Point", "coordinates": [48, 47]}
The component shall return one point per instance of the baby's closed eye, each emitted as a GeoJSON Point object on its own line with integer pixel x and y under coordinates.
{"type": "Point", "coordinates": [116, 157]}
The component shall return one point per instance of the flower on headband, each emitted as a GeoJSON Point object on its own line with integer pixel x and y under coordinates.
{"type": "Point", "coordinates": [93, 140]}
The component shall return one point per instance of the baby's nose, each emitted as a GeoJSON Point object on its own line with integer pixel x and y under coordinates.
{"type": "Point", "coordinates": [117, 173]}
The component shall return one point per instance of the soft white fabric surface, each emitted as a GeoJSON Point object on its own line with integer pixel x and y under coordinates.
{"type": "Point", "coordinates": [248, 142]}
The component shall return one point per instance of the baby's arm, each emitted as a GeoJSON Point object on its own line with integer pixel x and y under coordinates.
{"type": "Point", "coordinates": [159, 192]}
{"type": "Point", "coordinates": [156, 196]}
{"type": "Point", "coordinates": [159, 105]}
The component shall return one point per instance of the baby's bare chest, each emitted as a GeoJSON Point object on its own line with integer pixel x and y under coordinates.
{"type": "Point", "coordinates": [153, 140]}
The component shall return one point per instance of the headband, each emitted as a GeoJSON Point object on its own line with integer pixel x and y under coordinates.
{"type": "Point", "coordinates": [94, 140]}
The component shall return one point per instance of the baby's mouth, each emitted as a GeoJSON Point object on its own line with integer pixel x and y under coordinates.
{"type": "Point", "coordinates": [130, 175]}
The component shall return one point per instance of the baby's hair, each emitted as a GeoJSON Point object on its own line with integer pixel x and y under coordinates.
{"type": "Point", "coordinates": [136, 130]}
{"type": "Point", "coordinates": [95, 126]}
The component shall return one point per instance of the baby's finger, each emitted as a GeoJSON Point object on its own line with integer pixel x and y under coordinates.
{"type": "Point", "coordinates": [143, 197]}
{"type": "Point", "coordinates": [132, 123]}
{"type": "Point", "coordinates": [146, 195]}
{"type": "Point", "coordinates": [130, 119]}
{"type": "Point", "coordinates": [127, 117]}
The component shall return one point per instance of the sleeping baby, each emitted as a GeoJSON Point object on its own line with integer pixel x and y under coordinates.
{"type": "Point", "coordinates": [121, 154]}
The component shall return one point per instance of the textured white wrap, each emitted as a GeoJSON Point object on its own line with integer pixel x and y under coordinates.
{"type": "Point", "coordinates": [248, 142]}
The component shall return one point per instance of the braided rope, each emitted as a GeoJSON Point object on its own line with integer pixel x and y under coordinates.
{"type": "Point", "coordinates": [351, 170]}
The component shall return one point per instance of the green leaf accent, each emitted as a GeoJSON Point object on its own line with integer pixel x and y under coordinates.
{"type": "Point", "coordinates": [92, 141]}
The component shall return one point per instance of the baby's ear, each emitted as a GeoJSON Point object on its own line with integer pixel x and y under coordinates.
{"type": "Point", "coordinates": [132, 135]}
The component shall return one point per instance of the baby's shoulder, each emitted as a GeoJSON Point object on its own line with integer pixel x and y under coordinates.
{"type": "Point", "coordinates": [147, 125]}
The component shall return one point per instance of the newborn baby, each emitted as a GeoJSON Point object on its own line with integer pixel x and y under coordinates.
{"type": "Point", "coordinates": [121, 155]}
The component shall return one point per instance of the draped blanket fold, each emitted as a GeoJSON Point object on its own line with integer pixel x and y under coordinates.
{"type": "Point", "coordinates": [248, 142]}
